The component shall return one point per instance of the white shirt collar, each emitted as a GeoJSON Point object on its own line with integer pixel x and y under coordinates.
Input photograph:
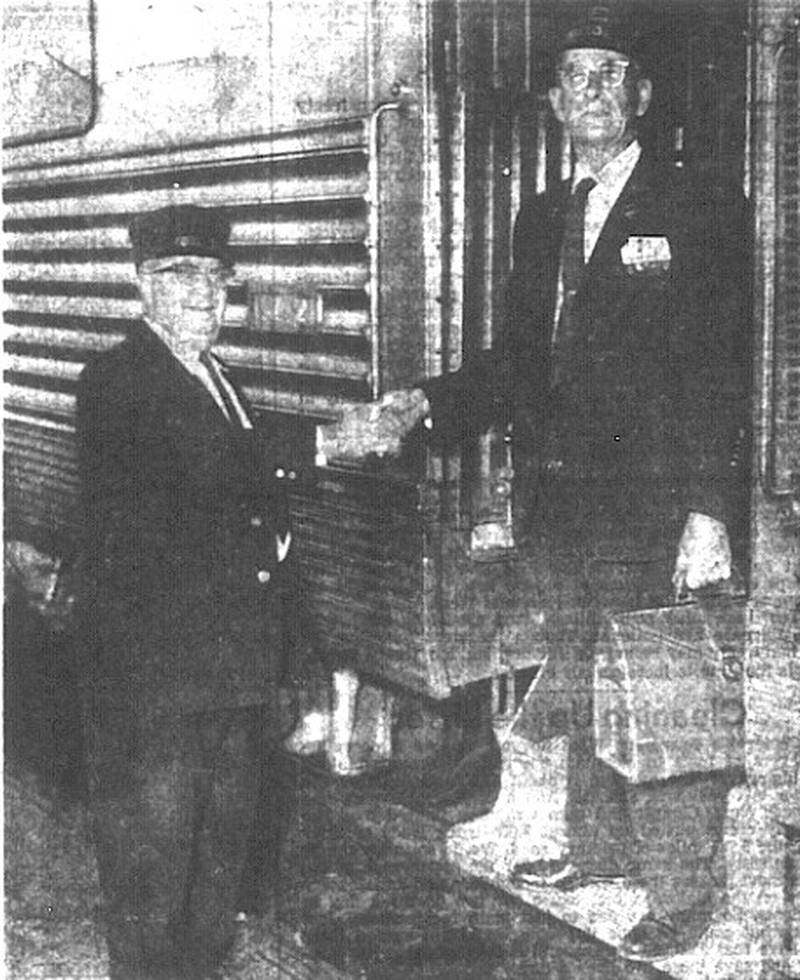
{"type": "Point", "coordinates": [189, 357]}
{"type": "Point", "coordinates": [615, 173]}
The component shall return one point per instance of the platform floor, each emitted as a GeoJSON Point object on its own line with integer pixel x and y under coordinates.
{"type": "Point", "coordinates": [376, 881]}
{"type": "Point", "coordinates": [367, 892]}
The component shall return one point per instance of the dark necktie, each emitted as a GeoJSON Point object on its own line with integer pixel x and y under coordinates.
{"type": "Point", "coordinates": [213, 372]}
{"type": "Point", "coordinates": [572, 267]}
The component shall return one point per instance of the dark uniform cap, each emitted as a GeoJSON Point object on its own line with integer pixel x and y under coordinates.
{"type": "Point", "coordinates": [600, 30]}
{"type": "Point", "coordinates": [180, 230]}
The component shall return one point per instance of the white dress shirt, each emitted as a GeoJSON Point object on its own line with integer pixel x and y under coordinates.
{"type": "Point", "coordinates": [602, 198]}
{"type": "Point", "coordinates": [604, 195]}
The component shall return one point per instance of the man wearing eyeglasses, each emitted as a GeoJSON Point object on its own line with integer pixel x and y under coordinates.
{"type": "Point", "coordinates": [187, 598]}
{"type": "Point", "coordinates": [624, 364]}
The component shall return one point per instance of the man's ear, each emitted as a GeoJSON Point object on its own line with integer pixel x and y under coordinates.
{"type": "Point", "coordinates": [644, 90]}
{"type": "Point", "coordinates": [556, 96]}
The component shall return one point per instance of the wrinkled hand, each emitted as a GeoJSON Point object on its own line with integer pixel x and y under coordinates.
{"type": "Point", "coordinates": [378, 427]}
{"type": "Point", "coordinates": [704, 554]}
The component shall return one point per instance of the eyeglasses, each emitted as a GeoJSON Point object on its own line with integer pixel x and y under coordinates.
{"type": "Point", "coordinates": [611, 75]}
{"type": "Point", "coordinates": [192, 273]}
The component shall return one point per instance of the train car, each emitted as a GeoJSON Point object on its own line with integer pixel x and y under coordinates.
{"type": "Point", "coordinates": [371, 156]}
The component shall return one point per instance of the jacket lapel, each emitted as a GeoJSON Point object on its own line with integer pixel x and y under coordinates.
{"type": "Point", "coordinates": [552, 242]}
{"type": "Point", "coordinates": [243, 401]}
{"type": "Point", "coordinates": [197, 407]}
{"type": "Point", "coordinates": [182, 406]}
{"type": "Point", "coordinates": [623, 219]}
{"type": "Point", "coordinates": [630, 206]}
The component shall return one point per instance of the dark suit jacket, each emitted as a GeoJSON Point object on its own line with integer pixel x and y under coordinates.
{"type": "Point", "coordinates": [184, 598]}
{"type": "Point", "coordinates": [647, 424]}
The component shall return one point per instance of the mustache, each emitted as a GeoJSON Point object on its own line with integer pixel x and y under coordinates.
{"type": "Point", "coordinates": [597, 108]}
{"type": "Point", "coordinates": [609, 113]}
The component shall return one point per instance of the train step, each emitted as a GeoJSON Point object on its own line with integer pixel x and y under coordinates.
{"type": "Point", "coordinates": [527, 822]}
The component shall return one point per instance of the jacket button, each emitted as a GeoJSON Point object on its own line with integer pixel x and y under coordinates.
{"type": "Point", "coordinates": [280, 473]}
{"type": "Point", "coordinates": [263, 576]}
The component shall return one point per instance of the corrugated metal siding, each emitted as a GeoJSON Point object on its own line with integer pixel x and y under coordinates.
{"type": "Point", "coordinates": [299, 209]}
{"type": "Point", "coordinates": [362, 538]}
{"type": "Point", "coordinates": [298, 336]}
{"type": "Point", "coordinates": [41, 478]}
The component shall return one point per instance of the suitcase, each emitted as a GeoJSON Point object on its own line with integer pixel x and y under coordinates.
{"type": "Point", "coordinates": [668, 689]}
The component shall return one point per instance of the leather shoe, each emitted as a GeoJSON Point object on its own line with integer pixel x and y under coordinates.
{"type": "Point", "coordinates": [658, 937]}
{"type": "Point", "coordinates": [560, 873]}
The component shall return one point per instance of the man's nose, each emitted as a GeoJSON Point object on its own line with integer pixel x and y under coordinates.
{"type": "Point", "coordinates": [593, 85]}
{"type": "Point", "coordinates": [203, 288]}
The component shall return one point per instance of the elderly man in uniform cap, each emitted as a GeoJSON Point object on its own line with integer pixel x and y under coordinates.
{"type": "Point", "coordinates": [186, 601]}
{"type": "Point", "coordinates": [623, 362]}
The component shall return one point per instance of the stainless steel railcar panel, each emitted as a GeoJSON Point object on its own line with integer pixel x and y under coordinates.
{"type": "Point", "coordinates": [329, 274]}
{"type": "Point", "coordinates": [300, 216]}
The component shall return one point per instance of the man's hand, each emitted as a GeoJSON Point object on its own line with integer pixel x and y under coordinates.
{"type": "Point", "coordinates": [704, 554]}
{"type": "Point", "coordinates": [378, 427]}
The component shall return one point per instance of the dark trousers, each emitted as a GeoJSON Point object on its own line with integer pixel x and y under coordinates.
{"type": "Point", "coordinates": [665, 834]}
{"type": "Point", "coordinates": [174, 802]}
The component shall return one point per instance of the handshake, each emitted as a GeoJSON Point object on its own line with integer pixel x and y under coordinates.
{"type": "Point", "coordinates": [378, 427]}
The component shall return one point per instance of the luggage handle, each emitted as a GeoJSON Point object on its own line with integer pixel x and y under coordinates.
{"type": "Point", "coordinates": [733, 587]}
